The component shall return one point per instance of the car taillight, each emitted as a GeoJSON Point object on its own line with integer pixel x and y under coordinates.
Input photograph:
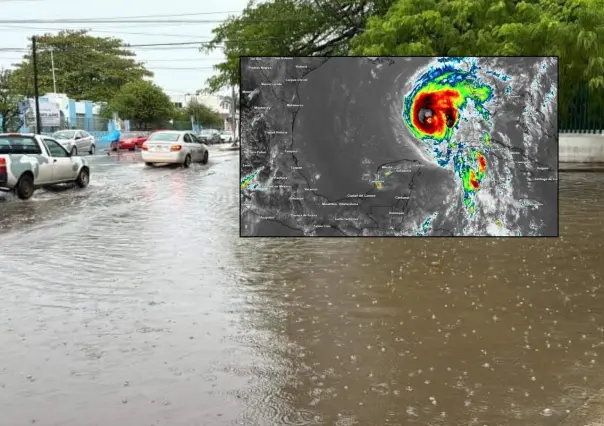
{"type": "Point", "coordinates": [145, 147]}
{"type": "Point", "coordinates": [3, 166]}
{"type": "Point", "coordinates": [175, 147]}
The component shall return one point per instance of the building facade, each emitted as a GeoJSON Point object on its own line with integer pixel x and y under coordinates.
{"type": "Point", "coordinates": [57, 112]}
{"type": "Point", "coordinates": [218, 103]}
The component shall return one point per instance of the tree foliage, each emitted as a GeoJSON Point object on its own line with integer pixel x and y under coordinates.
{"type": "Point", "coordinates": [9, 102]}
{"type": "Point", "coordinates": [289, 27]}
{"type": "Point", "coordinates": [86, 67]}
{"type": "Point", "coordinates": [202, 114]}
{"type": "Point", "coordinates": [571, 29]}
{"type": "Point", "coordinates": [143, 103]}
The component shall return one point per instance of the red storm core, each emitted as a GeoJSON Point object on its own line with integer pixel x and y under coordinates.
{"type": "Point", "coordinates": [433, 112]}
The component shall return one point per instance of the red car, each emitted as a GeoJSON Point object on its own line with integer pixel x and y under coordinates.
{"type": "Point", "coordinates": [130, 141]}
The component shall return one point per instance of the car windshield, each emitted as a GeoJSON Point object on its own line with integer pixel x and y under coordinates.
{"type": "Point", "coordinates": [64, 134]}
{"type": "Point", "coordinates": [164, 136]}
{"type": "Point", "coordinates": [129, 135]}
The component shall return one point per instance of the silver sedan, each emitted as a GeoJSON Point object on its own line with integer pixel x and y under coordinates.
{"type": "Point", "coordinates": [174, 147]}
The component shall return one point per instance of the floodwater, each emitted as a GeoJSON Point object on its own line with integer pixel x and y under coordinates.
{"type": "Point", "coordinates": [134, 302]}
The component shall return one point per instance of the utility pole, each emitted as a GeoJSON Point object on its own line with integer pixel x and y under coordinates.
{"type": "Point", "coordinates": [233, 115]}
{"type": "Point", "coordinates": [36, 89]}
{"type": "Point", "coordinates": [52, 64]}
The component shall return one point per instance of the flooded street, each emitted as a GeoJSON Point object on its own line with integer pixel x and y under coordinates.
{"type": "Point", "coordinates": [135, 303]}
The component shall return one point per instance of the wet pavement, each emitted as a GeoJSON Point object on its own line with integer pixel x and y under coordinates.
{"type": "Point", "coordinates": [134, 302]}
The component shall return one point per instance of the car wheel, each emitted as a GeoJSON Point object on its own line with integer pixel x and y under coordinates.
{"type": "Point", "coordinates": [74, 151]}
{"type": "Point", "coordinates": [25, 187]}
{"type": "Point", "coordinates": [187, 162]}
{"type": "Point", "coordinates": [149, 164]}
{"type": "Point", "coordinates": [83, 178]}
{"type": "Point", "coordinates": [92, 150]}
{"type": "Point", "coordinates": [205, 158]}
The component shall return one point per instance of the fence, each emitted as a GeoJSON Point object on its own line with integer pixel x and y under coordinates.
{"type": "Point", "coordinates": [583, 113]}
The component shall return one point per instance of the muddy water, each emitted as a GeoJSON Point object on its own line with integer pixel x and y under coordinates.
{"type": "Point", "coordinates": [135, 302]}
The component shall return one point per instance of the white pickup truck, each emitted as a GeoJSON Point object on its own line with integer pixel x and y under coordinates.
{"type": "Point", "coordinates": [29, 161]}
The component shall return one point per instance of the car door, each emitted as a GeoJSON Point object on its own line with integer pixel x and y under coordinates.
{"type": "Point", "coordinates": [87, 141]}
{"type": "Point", "coordinates": [79, 141]}
{"type": "Point", "coordinates": [45, 165]}
{"type": "Point", "coordinates": [189, 146]}
{"type": "Point", "coordinates": [198, 147]}
{"type": "Point", "coordinates": [64, 167]}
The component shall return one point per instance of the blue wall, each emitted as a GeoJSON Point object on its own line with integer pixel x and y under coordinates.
{"type": "Point", "coordinates": [73, 121]}
{"type": "Point", "coordinates": [88, 121]}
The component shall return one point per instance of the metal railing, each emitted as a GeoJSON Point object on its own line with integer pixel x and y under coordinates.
{"type": "Point", "coordinates": [584, 113]}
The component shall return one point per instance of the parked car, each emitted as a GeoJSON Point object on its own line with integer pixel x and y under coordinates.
{"type": "Point", "coordinates": [174, 147]}
{"type": "Point", "coordinates": [76, 141]}
{"type": "Point", "coordinates": [129, 141]}
{"type": "Point", "coordinates": [210, 136]}
{"type": "Point", "coordinates": [28, 162]}
{"type": "Point", "coordinates": [227, 136]}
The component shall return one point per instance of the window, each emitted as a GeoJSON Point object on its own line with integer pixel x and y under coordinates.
{"type": "Point", "coordinates": [19, 145]}
{"type": "Point", "coordinates": [64, 134]}
{"type": "Point", "coordinates": [164, 137]}
{"type": "Point", "coordinates": [194, 138]}
{"type": "Point", "coordinates": [56, 150]}
{"type": "Point", "coordinates": [187, 138]}
{"type": "Point", "coordinates": [178, 104]}
{"type": "Point", "coordinates": [85, 134]}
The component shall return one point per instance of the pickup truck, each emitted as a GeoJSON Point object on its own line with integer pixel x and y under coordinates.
{"type": "Point", "coordinates": [29, 162]}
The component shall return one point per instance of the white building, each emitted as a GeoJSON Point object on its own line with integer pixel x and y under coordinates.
{"type": "Point", "coordinates": [216, 102]}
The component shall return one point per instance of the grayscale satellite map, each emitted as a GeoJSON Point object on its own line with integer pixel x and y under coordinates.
{"type": "Point", "coordinates": [399, 146]}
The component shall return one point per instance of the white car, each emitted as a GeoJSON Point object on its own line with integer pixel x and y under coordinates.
{"type": "Point", "coordinates": [76, 142]}
{"type": "Point", "coordinates": [227, 136]}
{"type": "Point", "coordinates": [29, 162]}
{"type": "Point", "coordinates": [174, 147]}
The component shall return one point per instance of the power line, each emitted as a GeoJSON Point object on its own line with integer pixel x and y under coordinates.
{"type": "Point", "coordinates": [163, 46]}
{"type": "Point", "coordinates": [146, 60]}
{"type": "Point", "coordinates": [11, 27]}
{"type": "Point", "coordinates": [134, 21]}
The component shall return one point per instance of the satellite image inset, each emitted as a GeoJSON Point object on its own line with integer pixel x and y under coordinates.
{"type": "Point", "coordinates": [399, 146]}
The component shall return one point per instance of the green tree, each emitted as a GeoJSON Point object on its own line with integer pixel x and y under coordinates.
{"type": "Point", "coordinates": [143, 103]}
{"type": "Point", "coordinates": [9, 102]}
{"type": "Point", "coordinates": [203, 114]}
{"type": "Point", "coordinates": [572, 30]}
{"type": "Point", "coordinates": [289, 27]}
{"type": "Point", "coordinates": [86, 67]}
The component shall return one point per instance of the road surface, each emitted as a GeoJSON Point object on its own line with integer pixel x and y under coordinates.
{"type": "Point", "coordinates": [134, 302]}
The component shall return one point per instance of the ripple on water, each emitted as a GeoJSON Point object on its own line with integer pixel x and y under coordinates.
{"type": "Point", "coordinates": [579, 392]}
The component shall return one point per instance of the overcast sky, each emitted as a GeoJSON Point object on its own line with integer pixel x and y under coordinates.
{"type": "Point", "coordinates": [162, 61]}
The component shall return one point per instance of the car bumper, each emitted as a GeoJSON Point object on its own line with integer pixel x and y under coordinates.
{"type": "Point", "coordinates": [163, 157]}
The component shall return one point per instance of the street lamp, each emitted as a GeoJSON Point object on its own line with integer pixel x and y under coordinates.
{"type": "Point", "coordinates": [36, 88]}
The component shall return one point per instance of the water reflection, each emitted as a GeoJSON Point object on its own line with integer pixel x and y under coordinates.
{"type": "Point", "coordinates": [441, 331]}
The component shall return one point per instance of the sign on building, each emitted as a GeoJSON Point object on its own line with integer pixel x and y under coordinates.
{"type": "Point", "coordinates": [50, 115]}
